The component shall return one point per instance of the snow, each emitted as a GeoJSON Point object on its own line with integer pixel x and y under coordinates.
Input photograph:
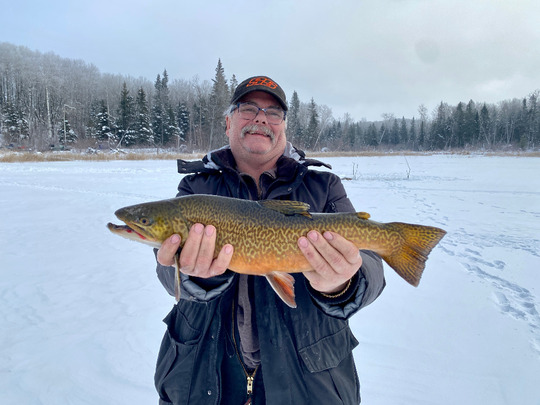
{"type": "Point", "coordinates": [81, 309]}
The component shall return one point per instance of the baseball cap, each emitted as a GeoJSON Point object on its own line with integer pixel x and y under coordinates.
{"type": "Point", "coordinates": [260, 83]}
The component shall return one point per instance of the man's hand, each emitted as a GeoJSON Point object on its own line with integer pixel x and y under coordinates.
{"type": "Point", "coordinates": [335, 260]}
{"type": "Point", "coordinates": [197, 255]}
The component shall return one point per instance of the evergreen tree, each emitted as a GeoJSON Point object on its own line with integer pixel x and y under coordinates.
{"type": "Point", "coordinates": [173, 131]}
{"type": "Point", "coordinates": [232, 87]}
{"type": "Point", "coordinates": [441, 130]}
{"type": "Point", "coordinates": [330, 136]}
{"type": "Point", "coordinates": [182, 115]}
{"type": "Point", "coordinates": [413, 136]}
{"type": "Point", "coordinates": [360, 136]}
{"type": "Point", "coordinates": [522, 125]}
{"type": "Point", "coordinates": [422, 135]}
{"type": "Point", "coordinates": [394, 133]}
{"type": "Point", "coordinates": [219, 101]}
{"type": "Point", "coordinates": [507, 120]}
{"type": "Point", "coordinates": [472, 125]}
{"type": "Point", "coordinates": [158, 113]}
{"type": "Point", "coordinates": [13, 124]}
{"type": "Point", "coordinates": [126, 118]}
{"type": "Point", "coordinates": [199, 121]}
{"type": "Point", "coordinates": [143, 129]}
{"type": "Point", "coordinates": [403, 132]}
{"type": "Point", "coordinates": [24, 127]}
{"type": "Point", "coordinates": [486, 126]}
{"type": "Point", "coordinates": [66, 135]}
{"type": "Point", "coordinates": [161, 117]}
{"type": "Point", "coordinates": [534, 119]}
{"type": "Point", "coordinates": [372, 137]}
{"type": "Point", "coordinates": [104, 126]}
{"type": "Point", "coordinates": [294, 127]}
{"type": "Point", "coordinates": [312, 131]}
{"type": "Point", "coordinates": [458, 129]}
{"type": "Point", "coordinates": [337, 136]}
{"type": "Point", "coordinates": [350, 137]}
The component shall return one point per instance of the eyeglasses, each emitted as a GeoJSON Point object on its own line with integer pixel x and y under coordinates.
{"type": "Point", "coordinates": [249, 111]}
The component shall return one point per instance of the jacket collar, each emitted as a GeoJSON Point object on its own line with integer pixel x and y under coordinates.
{"type": "Point", "coordinates": [223, 159]}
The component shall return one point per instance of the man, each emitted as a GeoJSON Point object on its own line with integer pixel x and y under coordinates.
{"type": "Point", "coordinates": [230, 339]}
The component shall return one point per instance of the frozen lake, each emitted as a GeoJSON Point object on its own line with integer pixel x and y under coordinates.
{"type": "Point", "coordinates": [81, 309]}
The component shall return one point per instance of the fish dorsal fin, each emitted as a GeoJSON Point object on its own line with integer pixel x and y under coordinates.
{"type": "Point", "coordinates": [283, 285]}
{"type": "Point", "coordinates": [363, 215]}
{"type": "Point", "coordinates": [286, 207]}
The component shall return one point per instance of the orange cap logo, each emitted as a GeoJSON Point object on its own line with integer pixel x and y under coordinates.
{"type": "Point", "coordinates": [262, 81]}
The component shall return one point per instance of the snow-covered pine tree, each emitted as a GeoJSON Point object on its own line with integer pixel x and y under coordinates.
{"type": "Point", "coordinates": [232, 86]}
{"type": "Point", "coordinates": [161, 110]}
{"type": "Point", "coordinates": [413, 136]}
{"type": "Point", "coordinates": [14, 125]}
{"type": "Point", "coordinates": [182, 116]}
{"type": "Point", "coordinates": [126, 118]}
{"type": "Point", "coordinates": [403, 131]}
{"type": "Point", "coordinates": [294, 128]}
{"type": "Point", "coordinates": [219, 101]}
{"type": "Point", "coordinates": [66, 135]}
{"type": "Point", "coordinates": [372, 137]}
{"type": "Point", "coordinates": [312, 131]}
{"type": "Point", "coordinates": [104, 125]}
{"type": "Point", "coordinates": [143, 129]}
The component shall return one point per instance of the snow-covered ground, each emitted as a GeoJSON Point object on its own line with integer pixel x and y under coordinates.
{"type": "Point", "coordinates": [81, 309]}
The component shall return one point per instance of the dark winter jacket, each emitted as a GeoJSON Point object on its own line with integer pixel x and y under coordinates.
{"type": "Point", "coordinates": [306, 352]}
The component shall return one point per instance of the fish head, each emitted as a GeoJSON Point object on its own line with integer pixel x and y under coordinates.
{"type": "Point", "coordinates": [150, 223]}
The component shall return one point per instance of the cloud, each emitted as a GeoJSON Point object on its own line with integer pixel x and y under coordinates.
{"type": "Point", "coordinates": [362, 57]}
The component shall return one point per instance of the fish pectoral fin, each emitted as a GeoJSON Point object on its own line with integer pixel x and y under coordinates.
{"type": "Point", "coordinates": [286, 207]}
{"type": "Point", "coordinates": [177, 279]}
{"type": "Point", "coordinates": [283, 285]}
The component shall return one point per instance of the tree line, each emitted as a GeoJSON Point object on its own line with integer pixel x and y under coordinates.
{"type": "Point", "coordinates": [48, 101]}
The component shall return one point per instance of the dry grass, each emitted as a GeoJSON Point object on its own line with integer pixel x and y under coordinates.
{"type": "Point", "coordinates": [17, 156]}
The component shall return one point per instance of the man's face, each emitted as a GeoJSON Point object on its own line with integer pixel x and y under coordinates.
{"type": "Point", "coordinates": [256, 136]}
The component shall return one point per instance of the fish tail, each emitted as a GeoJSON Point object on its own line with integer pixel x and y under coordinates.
{"type": "Point", "coordinates": [409, 257]}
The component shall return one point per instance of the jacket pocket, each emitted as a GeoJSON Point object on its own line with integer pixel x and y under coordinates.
{"type": "Point", "coordinates": [329, 351]}
{"type": "Point", "coordinates": [331, 366]}
{"type": "Point", "coordinates": [177, 355]}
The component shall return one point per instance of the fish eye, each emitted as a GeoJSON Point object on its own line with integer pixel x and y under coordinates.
{"type": "Point", "coordinates": [144, 221]}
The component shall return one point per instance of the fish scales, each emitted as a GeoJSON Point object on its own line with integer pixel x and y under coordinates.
{"type": "Point", "coordinates": [264, 239]}
{"type": "Point", "coordinates": [265, 233]}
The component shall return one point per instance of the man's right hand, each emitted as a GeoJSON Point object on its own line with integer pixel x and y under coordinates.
{"type": "Point", "coordinates": [197, 255]}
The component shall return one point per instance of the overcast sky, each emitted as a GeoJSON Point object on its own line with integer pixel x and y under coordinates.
{"type": "Point", "coordinates": [363, 57]}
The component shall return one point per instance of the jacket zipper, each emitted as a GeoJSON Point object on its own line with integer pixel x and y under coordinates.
{"type": "Point", "coordinates": [249, 377]}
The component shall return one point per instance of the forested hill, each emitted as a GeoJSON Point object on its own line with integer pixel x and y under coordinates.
{"type": "Point", "coordinates": [48, 101]}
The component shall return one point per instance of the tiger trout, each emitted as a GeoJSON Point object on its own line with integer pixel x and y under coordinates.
{"type": "Point", "coordinates": [265, 235]}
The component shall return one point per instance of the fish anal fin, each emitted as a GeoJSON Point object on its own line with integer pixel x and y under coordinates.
{"type": "Point", "coordinates": [286, 207]}
{"type": "Point", "coordinates": [283, 285]}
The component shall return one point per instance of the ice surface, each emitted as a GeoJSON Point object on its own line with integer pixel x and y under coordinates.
{"type": "Point", "coordinates": [81, 309]}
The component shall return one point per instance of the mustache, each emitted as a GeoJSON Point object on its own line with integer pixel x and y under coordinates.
{"type": "Point", "coordinates": [258, 129]}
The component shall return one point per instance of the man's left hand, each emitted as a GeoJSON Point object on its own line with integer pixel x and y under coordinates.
{"type": "Point", "coordinates": [335, 260]}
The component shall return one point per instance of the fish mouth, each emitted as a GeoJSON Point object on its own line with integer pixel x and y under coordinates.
{"type": "Point", "coordinates": [125, 229]}
{"type": "Point", "coordinates": [131, 232]}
